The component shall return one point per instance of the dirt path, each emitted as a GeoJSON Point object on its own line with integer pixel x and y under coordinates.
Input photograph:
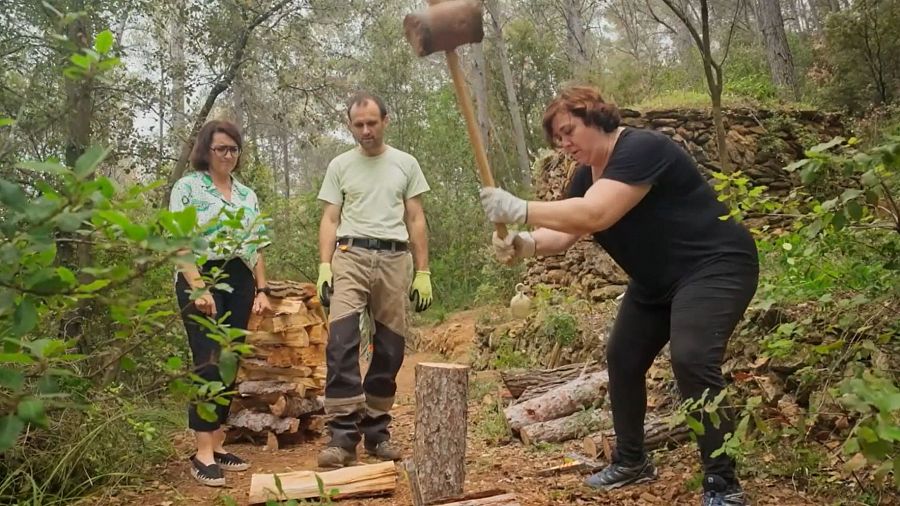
{"type": "Point", "coordinates": [489, 465]}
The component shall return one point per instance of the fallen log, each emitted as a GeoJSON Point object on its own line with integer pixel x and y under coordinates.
{"type": "Point", "coordinates": [576, 425]}
{"type": "Point", "coordinates": [544, 379]}
{"type": "Point", "coordinates": [657, 434]}
{"type": "Point", "coordinates": [439, 450]}
{"type": "Point", "coordinates": [355, 481]}
{"type": "Point", "coordinates": [558, 402]}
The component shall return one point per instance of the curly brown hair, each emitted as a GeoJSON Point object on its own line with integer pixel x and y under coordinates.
{"type": "Point", "coordinates": [586, 103]}
{"type": "Point", "coordinates": [201, 152]}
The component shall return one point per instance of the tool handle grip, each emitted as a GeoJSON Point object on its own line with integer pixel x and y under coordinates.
{"type": "Point", "coordinates": [465, 104]}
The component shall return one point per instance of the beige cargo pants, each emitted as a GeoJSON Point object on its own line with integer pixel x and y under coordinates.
{"type": "Point", "coordinates": [377, 281]}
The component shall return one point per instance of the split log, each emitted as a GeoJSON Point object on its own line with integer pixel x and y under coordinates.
{"type": "Point", "coordinates": [558, 402]}
{"type": "Point", "coordinates": [295, 407]}
{"type": "Point", "coordinates": [576, 425]}
{"type": "Point", "coordinates": [494, 500]}
{"type": "Point", "coordinates": [355, 481]}
{"type": "Point", "coordinates": [294, 338]}
{"type": "Point", "coordinates": [657, 434]}
{"type": "Point", "coordinates": [440, 434]}
{"type": "Point", "coordinates": [266, 387]}
{"type": "Point", "coordinates": [262, 422]}
{"type": "Point", "coordinates": [544, 379]}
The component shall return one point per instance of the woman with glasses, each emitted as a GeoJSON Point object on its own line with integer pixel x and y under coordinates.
{"type": "Point", "coordinates": [692, 274]}
{"type": "Point", "coordinates": [234, 253]}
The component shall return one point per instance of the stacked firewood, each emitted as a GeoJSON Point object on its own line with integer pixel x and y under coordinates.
{"type": "Point", "coordinates": [569, 402]}
{"type": "Point", "coordinates": [281, 383]}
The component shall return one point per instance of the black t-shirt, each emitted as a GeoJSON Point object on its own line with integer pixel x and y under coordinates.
{"type": "Point", "coordinates": [675, 230]}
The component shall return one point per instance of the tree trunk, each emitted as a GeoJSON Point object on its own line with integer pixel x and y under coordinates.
{"type": "Point", "coordinates": [563, 429]}
{"type": "Point", "coordinates": [223, 83]}
{"type": "Point", "coordinates": [542, 380]}
{"type": "Point", "coordinates": [440, 434]}
{"type": "Point", "coordinates": [719, 121]}
{"type": "Point", "coordinates": [355, 481]}
{"type": "Point", "coordinates": [80, 104]}
{"type": "Point", "coordinates": [576, 37]}
{"type": "Point", "coordinates": [558, 402]}
{"type": "Point", "coordinates": [178, 73]}
{"type": "Point", "coordinates": [657, 434]}
{"type": "Point", "coordinates": [778, 53]}
{"type": "Point", "coordinates": [286, 162]}
{"type": "Point", "coordinates": [512, 100]}
{"type": "Point", "coordinates": [480, 92]}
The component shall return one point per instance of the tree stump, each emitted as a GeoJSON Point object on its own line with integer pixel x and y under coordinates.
{"type": "Point", "coordinates": [440, 443]}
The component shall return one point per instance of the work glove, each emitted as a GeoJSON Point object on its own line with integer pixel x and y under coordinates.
{"type": "Point", "coordinates": [500, 206]}
{"type": "Point", "coordinates": [420, 291]}
{"type": "Point", "coordinates": [513, 247]}
{"type": "Point", "coordinates": [324, 286]}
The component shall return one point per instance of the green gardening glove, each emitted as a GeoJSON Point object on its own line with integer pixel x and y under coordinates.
{"type": "Point", "coordinates": [420, 291]}
{"type": "Point", "coordinates": [324, 285]}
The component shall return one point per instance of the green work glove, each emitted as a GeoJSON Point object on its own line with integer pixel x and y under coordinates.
{"type": "Point", "coordinates": [324, 285]}
{"type": "Point", "coordinates": [420, 291]}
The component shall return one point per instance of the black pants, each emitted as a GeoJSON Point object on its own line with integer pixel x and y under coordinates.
{"type": "Point", "coordinates": [205, 351]}
{"type": "Point", "coordinates": [697, 322]}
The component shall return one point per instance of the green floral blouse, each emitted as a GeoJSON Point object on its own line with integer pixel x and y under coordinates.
{"type": "Point", "coordinates": [213, 212]}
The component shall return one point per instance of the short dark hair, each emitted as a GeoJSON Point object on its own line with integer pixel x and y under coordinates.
{"type": "Point", "coordinates": [586, 103]}
{"type": "Point", "coordinates": [203, 144]}
{"type": "Point", "coordinates": [361, 97]}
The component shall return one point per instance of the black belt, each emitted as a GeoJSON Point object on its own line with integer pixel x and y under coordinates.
{"type": "Point", "coordinates": [369, 243]}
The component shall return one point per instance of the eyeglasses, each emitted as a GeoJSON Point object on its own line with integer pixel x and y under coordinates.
{"type": "Point", "coordinates": [226, 150]}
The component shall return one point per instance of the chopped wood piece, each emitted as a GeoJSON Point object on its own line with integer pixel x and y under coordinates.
{"type": "Point", "coordinates": [494, 500]}
{"type": "Point", "coordinates": [262, 422]}
{"type": "Point", "coordinates": [267, 387]}
{"type": "Point", "coordinates": [572, 462]}
{"type": "Point", "coordinates": [261, 340]}
{"type": "Point", "coordinates": [295, 407]}
{"type": "Point", "coordinates": [355, 481]}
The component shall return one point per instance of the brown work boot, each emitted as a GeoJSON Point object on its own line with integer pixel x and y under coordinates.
{"type": "Point", "coordinates": [335, 456]}
{"type": "Point", "coordinates": [384, 451]}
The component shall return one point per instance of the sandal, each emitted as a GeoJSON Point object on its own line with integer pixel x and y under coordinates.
{"type": "Point", "coordinates": [209, 475]}
{"type": "Point", "coordinates": [230, 462]}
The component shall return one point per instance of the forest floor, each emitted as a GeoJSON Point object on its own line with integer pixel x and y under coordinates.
{"type": "Point", "coordinates": [490, 464]}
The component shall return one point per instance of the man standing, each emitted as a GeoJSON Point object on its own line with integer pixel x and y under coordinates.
{"type": "Point", "coordinates": [373, 218]}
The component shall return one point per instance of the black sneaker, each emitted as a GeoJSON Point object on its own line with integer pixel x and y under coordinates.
{"type": "Point", "coordinates": [718, 492]}
{"type": "Point", "coordinates": [618, 475]}
{"type": "Point", "coordinates": [230, 462]}
{"type": "Point", "coordinates": [209, 475]}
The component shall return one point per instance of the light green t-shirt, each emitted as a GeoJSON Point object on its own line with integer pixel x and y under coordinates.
{"type": "Point", "coordinates": [371, 191]}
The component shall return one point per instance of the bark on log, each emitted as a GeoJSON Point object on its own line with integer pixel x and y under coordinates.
{"type": "Point", "coordinates": [496, 500]}
{"type": "Point", "coordinates": [440, 434]}
{"type": "Point", "coordinates": [262, 422]}
{"type": "Point", "coordinates": [657, 434]}
{"type": "Point", "coordinates": [558, 402]}
{"type": "Point", "coordinates": [294, 407]}
{"type": "Point", "coordinates": [354, 481]}
{"type": "Point", "coordinates": [545, 379]}
{"type": "Point", "coordinates": [576, 425]}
